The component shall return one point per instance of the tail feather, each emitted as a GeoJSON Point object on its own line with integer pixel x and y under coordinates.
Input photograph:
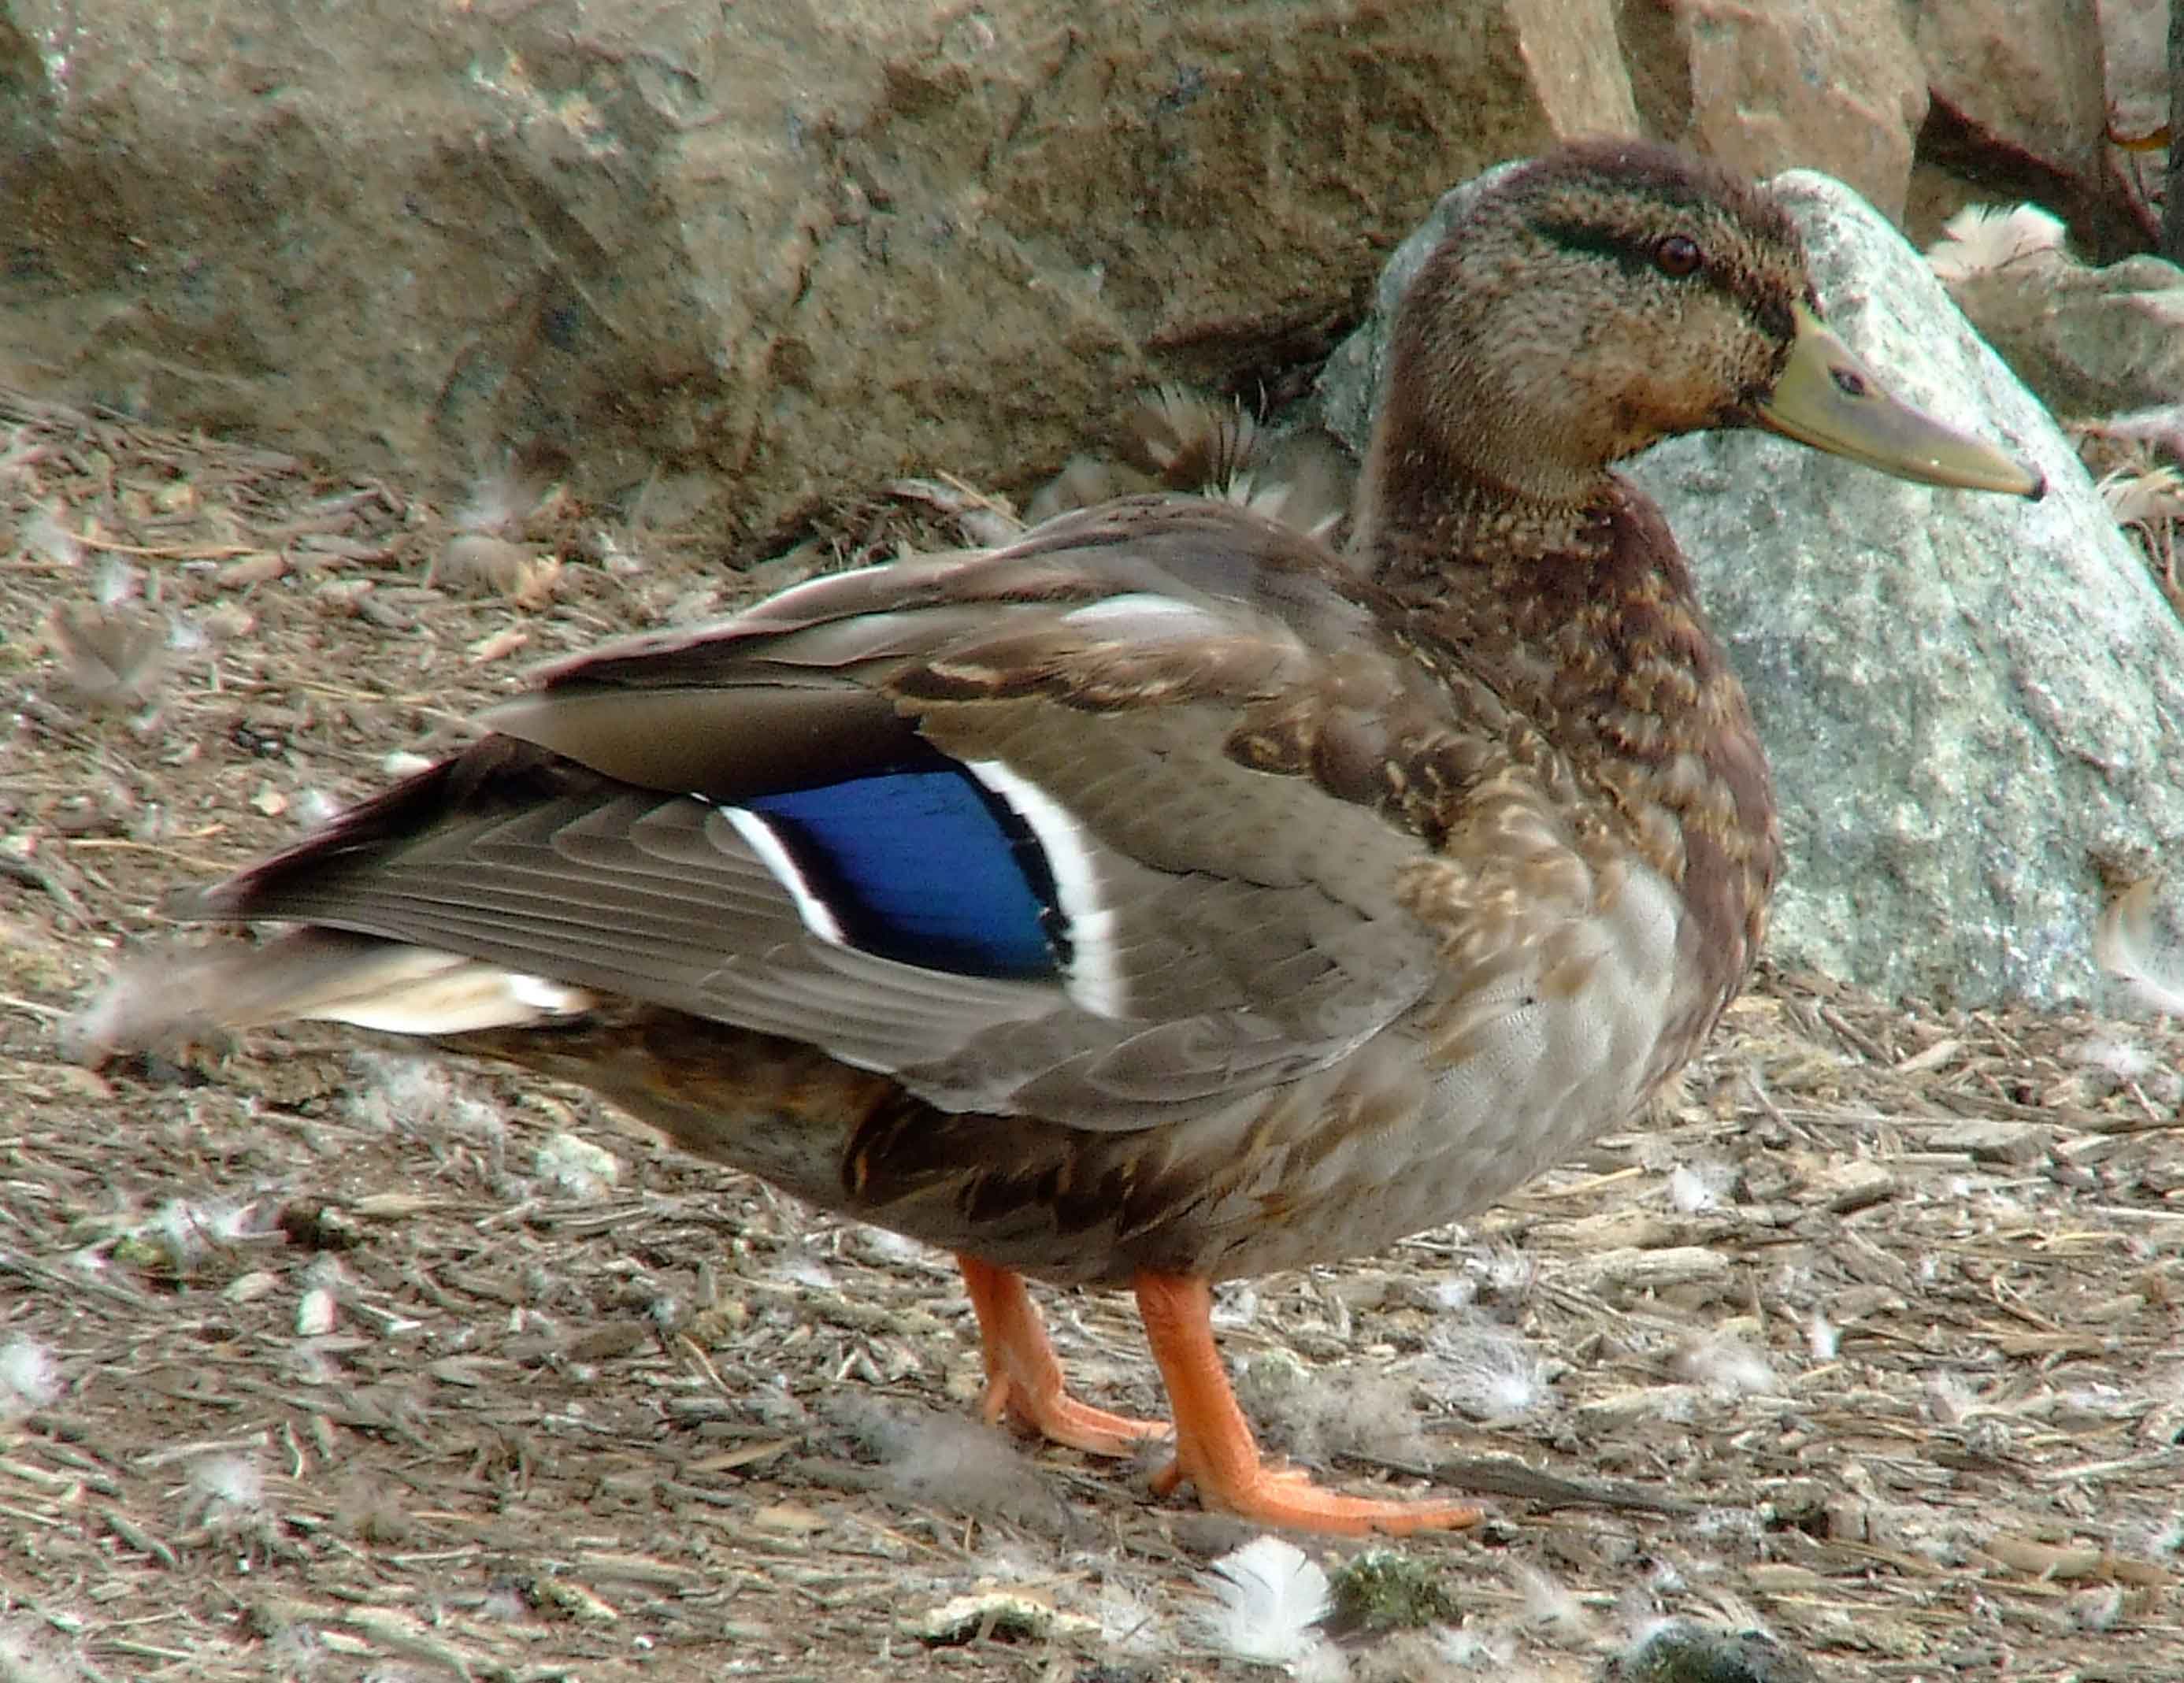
{"type": "Point", "coordinates": [163, 998]}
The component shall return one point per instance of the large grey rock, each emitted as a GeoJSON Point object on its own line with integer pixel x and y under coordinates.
{"type": "Point", "coordinates": [788, 249]}
{"type": "Point", "coordinates": [1972, 703]}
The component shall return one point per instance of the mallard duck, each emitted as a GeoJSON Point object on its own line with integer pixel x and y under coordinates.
{"type": "Point", "coordinates": [1163, 896]}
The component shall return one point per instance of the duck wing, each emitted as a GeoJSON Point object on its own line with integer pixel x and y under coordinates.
{"type": "Point", "coordinates": [1096, 828]}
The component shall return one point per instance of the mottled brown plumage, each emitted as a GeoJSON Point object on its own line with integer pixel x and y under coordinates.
{"type": "Point", "coordinates": [1162, 896]}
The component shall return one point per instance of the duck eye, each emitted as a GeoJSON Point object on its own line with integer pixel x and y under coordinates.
{"type": "Point", "coordinates": [1676, 255]}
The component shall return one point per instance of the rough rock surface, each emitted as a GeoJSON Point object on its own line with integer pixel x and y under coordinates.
{"type": "Point", "coordinates": [2090, 341]}
{"type": "Point", "coordinates": [1838, 87]}
{"type": "Point", "coordinates": [2135, 64]}
{"type": "Point", "coordinates": [732, 260]}
{"type": "Point", "coordinates": [1974, 705]}
{"type": "Point", "coordinates": [2022, 103]}
{"type": "Point", "coordinates": [781, 248]}
{"type": "Point", "coordinates": [2032, 76]}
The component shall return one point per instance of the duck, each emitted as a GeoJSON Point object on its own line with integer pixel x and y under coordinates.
{"type": "Point", "coordinates": [1162, 896]}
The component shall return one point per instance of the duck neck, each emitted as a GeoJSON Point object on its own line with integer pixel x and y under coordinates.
{"type": "Point", "coordinates": [1580, 615]}
{"type": "Point", "coordinates": [1504, 494]}
{"type": "Point", "coordinates": [1515, 584]}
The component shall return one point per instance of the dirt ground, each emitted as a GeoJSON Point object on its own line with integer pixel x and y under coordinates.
{"type": "Point", "coordinates": [323, 1362]}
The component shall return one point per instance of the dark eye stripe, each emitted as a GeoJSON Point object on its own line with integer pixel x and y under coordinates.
{"type": "Point", "coordinates": [1630, 253]}
{"type": "Point", "coordinates": [1634, 255]}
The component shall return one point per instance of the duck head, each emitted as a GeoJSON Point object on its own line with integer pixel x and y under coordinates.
{"type": "Point", "coordinates": [1615, 293]}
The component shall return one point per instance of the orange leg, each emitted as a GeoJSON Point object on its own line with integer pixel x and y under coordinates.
{"type": "Point", "coordinates": [1215, 1450]}
{"type": "Point", "coordinates": [1023, 1377]}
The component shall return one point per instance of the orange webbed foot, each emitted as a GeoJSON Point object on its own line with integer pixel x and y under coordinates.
{"type": "Point", "coordinates": [1216, 1451]}
{"type": "Point", "coordinates": [1023, 1379]}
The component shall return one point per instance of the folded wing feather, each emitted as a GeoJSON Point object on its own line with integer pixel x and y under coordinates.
{"type": "Point", "coordinates": [1213, 927]}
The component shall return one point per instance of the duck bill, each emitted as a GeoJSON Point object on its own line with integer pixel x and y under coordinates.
{"type": "Point", "coordinates": [1828, 398]}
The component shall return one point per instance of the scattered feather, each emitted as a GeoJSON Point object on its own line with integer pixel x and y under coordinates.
{"type": "Point", "coordinates": [1981, 238]}
{"type": "Point", "coordinates": [29, 1381]}
{"type": "Point", "coordinates": [1313, 1415]}
{"type": "Point", "coordinates": [618, 558]}
{"type": "Point", "coordinates": [501, 499]}
{"type": "Point", "coordinates": [1128, 1623]}
{"type": "Point", "coordinates": [294, 1649]}
{"type": "Point", "coordinates": [315, 1312]}
{"type": "Point", "coordinates": [45, 535]}
{"type": "Point", "coordinates": [1505, 1277]}
{"type": "Point", "coordinates": [1550, 1607]}
{"type": "Point", "coordinates": [398, 1091]}
{"type": "Point", "coordinates": [1486, 1373]}
{"type": "Point", "coordinates": [181, 1231]}
{"type": "Point", "coordinates": [2140, 942]}
{"type": "Point", "coordinates": [1695, 1190]}
{"type": "Point", "coordinates": [576, 1167]}
{"type": "Point", "coordinates": [480, 564]}
{"type": "Point", "coordinates": [2143, 496]}
{"type": "Point", "coordinates": [2125, 1060]}
{"type": "Point", "coordinates": [401, 1092]}
{"type": "Point", "coordinates": [109, 656]}
{"type": "Point", "coordinates": [315, 809]}
{"type": "Point", "coordinates": [1235, 1304]}
{"type": "Point", "coordinates": [226, 1492]}
{"type": "Point", "coordinates": [29, 1653]}
{"type": "Point", "coordinates": [1822, 1338]}
{"type": "Point", "coordinates": [1475, 1647]}
{"type": "Point", "coordinates": [1267, 1597]}
{"type": "Point", "coordinates": [1456, 1292]}
{"type": "Point", "coordinates": [951, 1464]}
{"type": "Point", "coordinates": [188, 635]}
{"type": "Point", "coordinates": [1740, 1528]}
{"type": "Point", "coordinates": [1726, 1367]}
{"type": "Point", "coordinates": [114, 581]}
{"type": "Point", "coordinates": [2100, 1609]}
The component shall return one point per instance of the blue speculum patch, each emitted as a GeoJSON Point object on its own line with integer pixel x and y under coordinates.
{"type": "Point", "coordinates": [927, 867]}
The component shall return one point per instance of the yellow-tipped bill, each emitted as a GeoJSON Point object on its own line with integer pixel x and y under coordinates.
{"type": "Point", "coordinates": [1828, 398]}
